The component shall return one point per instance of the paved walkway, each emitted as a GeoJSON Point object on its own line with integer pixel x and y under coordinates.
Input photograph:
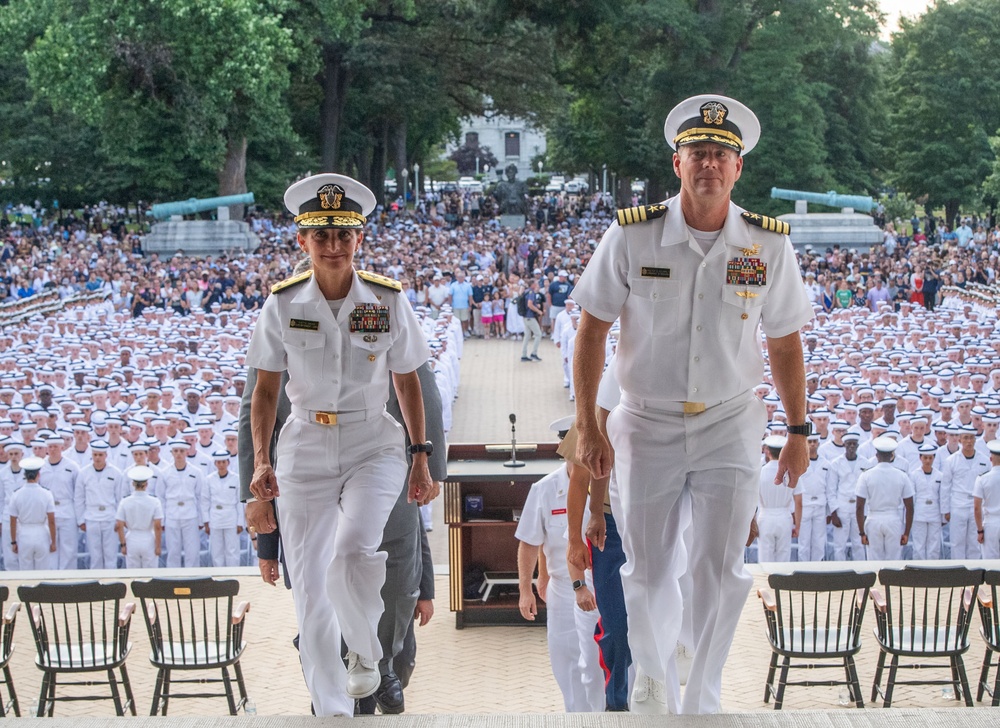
{"type": "Point", "coordinates": [484, 669]}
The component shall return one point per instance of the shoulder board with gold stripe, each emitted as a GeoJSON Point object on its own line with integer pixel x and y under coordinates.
{"type": "Point", "coordinates": [768, 223]}
{"type": "Point", "coordinates": [293, 281]}
{"type": "Point", "coordinates": [376, 280]}
{"type": "Point", "coordinates": [642, 213]}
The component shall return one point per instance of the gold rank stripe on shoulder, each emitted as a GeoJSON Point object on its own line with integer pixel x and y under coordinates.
{"type": "Point", "coordinates": [376, 280]}
{"type": "Point", "coordinates": [642, 213]}
{"type": "Point", "coordinates": [768, 223]}
{"type": "Point", "coordinates": [293, 281]}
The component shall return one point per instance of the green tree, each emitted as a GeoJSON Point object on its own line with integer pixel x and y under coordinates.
{"type": "Point", "coordinates": [945, 102]}
{"type": "Point", "coordinates": [176, 89]}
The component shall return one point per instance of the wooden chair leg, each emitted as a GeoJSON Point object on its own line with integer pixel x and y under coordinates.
{"type": "Point", "coordinates": [984, 674]}
{"type": "Point", "coordinates": [14, 705]}
{"type": "Point", "coordinates": [115, 694]}
{"type": "Point", "coordinates": [130, 700]}
{"type": "Point", "coordinates": [52, 694]}
{"type": "Point", "coordinates": [157, 691]}
{"type": "Point", "coordinates": [964, 680]}
{"type": "Point", "coordinates": [43, 696]}
{"type": "Point", "coordinates": [228, 683]}
{"type": "Point", "coordinates": [852, 671]}
{"type": "Point", "coordinates": [165, 694]}
{"type": "Point", "coordinates": [877, 682]}
{"type": "Point", "coordinates": [890, 682]}
{"type": "Point", "coordinates": [240, 683]}
{"type": "Point", "coordinates": [769, 685]}
{"type": "Point", "coordinates": [956, 683]}
{"type": "Point", "coordinates": [779, 697]}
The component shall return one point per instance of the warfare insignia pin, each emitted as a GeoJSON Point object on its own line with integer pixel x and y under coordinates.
{"type": "Point", "coordinates": [751, 251]}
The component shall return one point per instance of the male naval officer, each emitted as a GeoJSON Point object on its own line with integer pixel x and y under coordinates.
{"type": "Point", "coordinates": [986, 504]}
{"type": "Point", "coordinates": [691, 279]}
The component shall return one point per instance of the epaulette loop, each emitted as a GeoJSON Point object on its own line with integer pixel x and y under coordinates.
{"type": "Point", "coordinates": [767, 223]}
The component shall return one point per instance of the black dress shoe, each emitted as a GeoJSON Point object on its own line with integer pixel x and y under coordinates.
{"type": "Point", "coordinates": [389, 696]}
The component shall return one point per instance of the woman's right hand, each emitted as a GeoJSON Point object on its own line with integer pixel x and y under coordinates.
{"type": "Point", "coordinates": [264, 485]}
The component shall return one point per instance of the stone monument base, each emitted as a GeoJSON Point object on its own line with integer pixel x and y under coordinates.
{"type": "Point", "coordinates": [514, 222]}
{"type": "Point", "coordinates": [200, 237]}
{"type": "Point", "coordinates": [822, 230]}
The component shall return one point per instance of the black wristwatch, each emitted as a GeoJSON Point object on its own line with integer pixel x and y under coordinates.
{"type": "Point", "coordinates": [427, 447]}
{"type": "Point", "coordinates": [579, 584]}
{"type": "Point", "coordinates": [806, 429]}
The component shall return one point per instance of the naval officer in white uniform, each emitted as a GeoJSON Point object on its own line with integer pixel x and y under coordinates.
{"type": "Point", "coordinates": [340, 334]}
{"type": "Point", "coordinates": [691, 279]}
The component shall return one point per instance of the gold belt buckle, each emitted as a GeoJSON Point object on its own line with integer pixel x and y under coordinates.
{"type": "Point", "coordinates": [326, 418]}
{"type": "Point", "coordinates": [694, 408]}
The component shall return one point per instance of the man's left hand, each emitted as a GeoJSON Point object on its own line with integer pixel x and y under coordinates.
{"type": "Point", "coordinates": [424, 611]}
{"type": "Point", "coordinates": [794, 460]}
{"type": "Point", "coordinates": [421, 488]}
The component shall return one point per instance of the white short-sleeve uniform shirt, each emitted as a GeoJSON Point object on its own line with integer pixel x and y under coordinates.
{"type": "Point", "coordinates": [688, 335]}
{"type": "Point", "coordinates": [330, 367]}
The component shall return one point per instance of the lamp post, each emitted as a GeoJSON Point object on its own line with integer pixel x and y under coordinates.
{"type": "Point", "coordinates": [604, 179]}
{"type": "Point", "coordinates": [404, 173]}
{"type": "Point", "coordinates": [540, 165]}
{"type": "Point", "coordinates": [416, 184]}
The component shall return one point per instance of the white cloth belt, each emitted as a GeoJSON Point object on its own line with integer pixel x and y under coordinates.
{"type": "Point", "coordinates": [335, 418]}
{"type": "Point", "coordinates": [776, 511]}
{"type": "Point", "coordinates": [672, 407]}
{"type": "Point", "coordinates": [883, 513]}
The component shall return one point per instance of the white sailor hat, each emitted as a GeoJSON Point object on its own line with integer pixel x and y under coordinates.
{"type": "Point", "coordinates": [178, 445]}
{"type": "Point", "coordinates": [885, 444]}
{"type": "Point", "coordinates": [775, 441]}
{"type": "Point", "coordinates": [993, 445]}
{"type": "Point", "coordinates": [852, 436]}
{"type": "Point", "coordinates": [562, 425]}
{"type": "Point", "coordinates": [139, 446]}
{"type": "Point", "coordinates": [221, 455]}
{"type": "Point", "coordinates": [927, 449]}
{"type": "Point", "coordinates": [866, 406]}
{"type": "Point", "coordinates": [839, 425]}
{"type": "Point", "coordinates": [329, 201]}
{"type": "Point", "coordinates": [712, 118]}
{"type": "Point", "coordinates": [139, 473]}
{"type": "Point", "coordinates": [32, 464]}
{"type": "Point", "coordinates": [14, 445]}
{"type": "Point", "coordinates": [99, 446]}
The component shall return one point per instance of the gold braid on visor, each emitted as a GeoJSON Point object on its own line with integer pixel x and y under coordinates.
{"type": "Point", "coordinates": [707, 135]}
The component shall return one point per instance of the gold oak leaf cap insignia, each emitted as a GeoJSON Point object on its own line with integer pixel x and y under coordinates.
{"type": "Point", "coordinates": [293, 281]}
{"type": "Point", "coordinates": [767, 223]}
{"type": "Point", "coordinates": [376, 280]}
{"type": "Point", "coordinates": [642, 213]}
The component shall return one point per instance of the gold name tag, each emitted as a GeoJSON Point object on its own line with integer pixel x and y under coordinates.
{"type": "Point", "coordinates": [303, 324]}
{"type": "Point", "coordinates": [648, 272]}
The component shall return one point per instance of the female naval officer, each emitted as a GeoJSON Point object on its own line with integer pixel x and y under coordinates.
{"type": "Point", "coordinates": [339, 333]}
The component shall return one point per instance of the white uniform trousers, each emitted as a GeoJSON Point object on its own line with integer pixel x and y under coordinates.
{"type": "Point", "coordinates": [991, 540]}
{"type": "Point", "coordinates": [964, 536]}
{"type": "Point", "coordinates": [183, 538]}
{"type": "Point", "coordinates": [10, 559]}
{"type": "Point", "coordinates": [225, 546]}
{"type": "Point", "coordinates": [812, 534]}
{"type": "Point", "coordinates": [847, 533]}
{"type": "Point", "coordinates": [67, 544]}
{"type": "Point", "coordinates": [925, 537]}
{"type": "Point", "coordinates": [884, 531]}
{"type": "Point", "coordinates": [713, 460]}
{"type": "Point", "coordinates": [775, 535]}
{"type": "Point", "coordinates": [33, 547]}
{"type": "Point", "coordinates": [337, 486]}
{"type": "Point", "coordinates": [575, 663]}
{"type": "Point", "coordinates": [141, 550]}
{"type": "Point", "coordinates": [102, 544]}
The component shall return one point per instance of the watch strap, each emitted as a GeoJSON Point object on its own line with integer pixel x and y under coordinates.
{"type": "Point", "coordinates": [805, 429]}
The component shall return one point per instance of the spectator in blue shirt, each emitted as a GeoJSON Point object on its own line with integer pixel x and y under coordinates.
{"type": "Point", "coordinates": [461, 297]}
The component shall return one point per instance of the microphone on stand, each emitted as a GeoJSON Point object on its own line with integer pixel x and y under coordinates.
{"type": "Point", "coordinates": [513, 462]}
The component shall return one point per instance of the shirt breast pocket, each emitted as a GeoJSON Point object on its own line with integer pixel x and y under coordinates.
{"type": "Point", "coordinates": [655, 301]}
{"type": "Point", "coordinates": [305, 354]}
{"type": "Point", "coordinates": [740, 311]}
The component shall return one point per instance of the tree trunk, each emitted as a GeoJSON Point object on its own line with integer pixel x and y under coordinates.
{"type": "Point", "coordinates": [334, 79]}
{"type": "Point", "coordinates": [233, 175]}
{"type": "Point", "coordinates": [397, 139]}
{"type": "Point", "coordinates": [951, 213]}
{"type": "Point", "coordinates": [376, 173]}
